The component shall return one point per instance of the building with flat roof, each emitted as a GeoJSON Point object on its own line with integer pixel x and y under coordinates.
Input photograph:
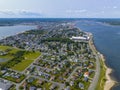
{"type": "Point", "coordinates": [80, 38]}
{"type": "Point", "coordinates": [5, 85]}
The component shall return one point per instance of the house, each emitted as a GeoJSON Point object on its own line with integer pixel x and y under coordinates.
{"type": "Point", "coordinates": [85, 79]}
{"type": "Point", "coordinates": [39, 88]}
{"type": "Point", "coordinates": [61, 78]}
{"type": "Point", "coordinates": [65, 73]}
{"type": "Point", "coordinates": [32, 88]}
{"type": "Point", "coordinates": [86, 74]}
{"type": "Point", "coordinates": [90, 71]}
{"type": "Point", "coordinates": [52, 78]}
{"type": "Point", "coordinates": [71, 83]}
{"type": "Point", "coordinates": [76, 60]}
{"type": "Point", "coordinates": [28, 72]}
{"type": "Point", "coordinates": [80, 74]}
{"type": "Point", "coordinates": [74, 77]}
{"type": "Point", "coordinates": [24, 84]}
{"type": "Point", "coordinates": [67, 88]}
{"type": "Point", "coordinates": [53, 86]}
{"type": "Point", "coordinates": [40, 82]}
{"type": "Point", "coordinates": [30, 80]}
{"type": "Point", "coordinates": [3, 71]}
{"type": "Point", "coordinates": [81, 86]}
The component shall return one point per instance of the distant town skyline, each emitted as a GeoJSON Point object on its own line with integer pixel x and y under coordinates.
{"type": "Point", "coordinates": [59, 8]}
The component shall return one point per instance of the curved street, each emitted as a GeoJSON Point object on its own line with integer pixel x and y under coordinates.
{"type": "Point", "coordinates": [97, 73]}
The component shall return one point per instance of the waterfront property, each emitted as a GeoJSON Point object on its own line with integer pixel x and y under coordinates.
{"type": "Point", "coordinates": [63, 63]}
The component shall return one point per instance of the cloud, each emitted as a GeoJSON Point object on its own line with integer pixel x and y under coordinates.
{"type": "Point", "coordinates": [76, 11]}
{"type": "Point", "coordinates": [28, 13]}
{"type": "Point", "coordinates": [7, 13]}
{"type": "Point", "coordinates": [20, 13]}
{"type": "Point", "coordinates": [108, 7]}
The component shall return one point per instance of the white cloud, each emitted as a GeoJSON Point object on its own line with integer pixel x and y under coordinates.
{"type": "Point", "coordinates": [7, 12]}
{"type": "Point", "coordinates": [76, 11]}
{"type": "Point", "coordinates": [29, 13]}
{"type": "Point", "coordinates": [20, 13]}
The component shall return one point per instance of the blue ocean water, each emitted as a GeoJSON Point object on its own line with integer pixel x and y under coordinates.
{"type": "Point", "coordinates": [107, 41]}
{"type": "Point", "coordinates": [12, 30]}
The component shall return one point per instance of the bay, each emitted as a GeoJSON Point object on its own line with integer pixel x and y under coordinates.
{"type": "Point", "coordinates": [107, 41]}
{"type": "Point", "coordinates": [12, 30]}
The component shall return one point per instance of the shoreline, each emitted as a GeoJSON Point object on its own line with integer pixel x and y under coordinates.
{"type": "Point", "coordinates": [109, 83]}
{"type": "Point", "coordinates": [19, 32]}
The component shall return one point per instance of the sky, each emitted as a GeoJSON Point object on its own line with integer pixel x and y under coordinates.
{"type": "Point", "coordinates": [59, 8]}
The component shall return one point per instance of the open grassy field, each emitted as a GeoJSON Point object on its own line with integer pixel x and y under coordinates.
{"type": "Point", "coordinates": [22, 65]}
{"type": "Point", "coordinates": [10, 52]}
{"type": "Point", "coordinates": [29, 58]}
{"type": "Point", "coordinates": [31, 55]}
{"type": "Point", "coordinates": [17, 59]}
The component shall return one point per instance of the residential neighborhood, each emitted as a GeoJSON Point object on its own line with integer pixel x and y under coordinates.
{"type": "Point", "coordinates": [61, 59]}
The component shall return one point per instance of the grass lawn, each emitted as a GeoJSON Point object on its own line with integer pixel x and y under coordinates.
{"type": "Point", "coordinates": [31, 55]}
{"type": "Point", "coordinates": [11, 52]}
{"type": "Point", "coordinates": [4, 48]}
{"type": "Point", "coordinates": [15, 80]}
{"type": "Point", "coordinates": [22, 65]}
{"type": "Point", "coordinates": [29, 58]}
{"type": "Point", "coordinates": [47, 85]}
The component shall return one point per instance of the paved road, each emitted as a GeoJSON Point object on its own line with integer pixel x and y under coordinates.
{"type": "Point", "coordinates": [97, 73]}
{"type": "Point", "coordinates": [43, 68]}
{"type": "Point", "coordinates": [18, 85]}
{"type": "Point", "coordinates": [32, 63]}
{"type": "Point", "coordinates": [59, 84]}
{"type": "Point", "coordinates": [93, 83]}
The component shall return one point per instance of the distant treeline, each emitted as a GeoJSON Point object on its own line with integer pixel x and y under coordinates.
{"type": "Point", "coordinates": [54, 39]}
{"type": "Point", "coordinates": [13, 21]}
{"type": "Point", "coordinates": [110, 21]}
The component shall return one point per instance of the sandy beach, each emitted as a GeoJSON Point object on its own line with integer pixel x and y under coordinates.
{"type": "Point", "coordinates": [109, 82]}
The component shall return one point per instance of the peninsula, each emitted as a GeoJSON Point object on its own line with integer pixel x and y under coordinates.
{"type": "Point", "coordinates": [55, 56]}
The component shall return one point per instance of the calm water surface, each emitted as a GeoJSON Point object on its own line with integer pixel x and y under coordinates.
{"type": "Point", "coordinates": [107, 41]}
{"type": "Point", "coordinates": [12, 30]}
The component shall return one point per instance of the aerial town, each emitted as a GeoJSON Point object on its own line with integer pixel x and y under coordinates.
{"type": "Point", "coordinates": [55, 56]}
